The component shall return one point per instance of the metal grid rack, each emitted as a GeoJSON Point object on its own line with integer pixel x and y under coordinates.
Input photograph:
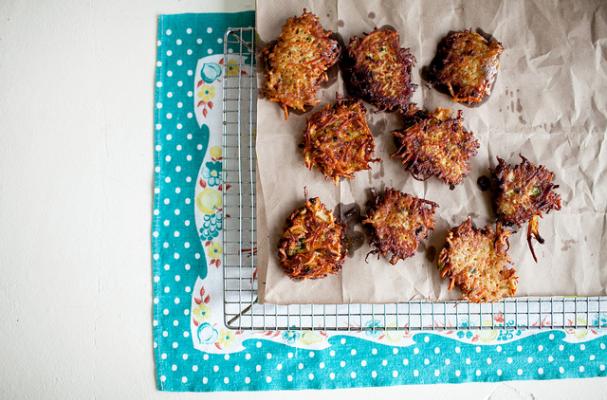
{"type": "Point", "coordinates": [242, 310]}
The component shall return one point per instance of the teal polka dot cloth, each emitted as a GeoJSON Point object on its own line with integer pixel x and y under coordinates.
{"type": "Point", "coordinates": [193, 349]}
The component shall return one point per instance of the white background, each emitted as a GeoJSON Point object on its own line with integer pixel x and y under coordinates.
{"type": "Point", "coordinates": [76, 102]}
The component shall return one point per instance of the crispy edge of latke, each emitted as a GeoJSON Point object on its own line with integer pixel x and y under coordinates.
{"type": "Point", "coordinates": [484, 90]}
{"type": "Point", "coordinates": [320, 33]}
{"type": "Point", "coordinates": [293, 266]}
{"type": "Point", "coordinates": [409, 141]}
{"type": "Point", "coordinates": [548, 199]}
{"type": "Point", "coordinates": [359, 79]}
{"type": "Point", "coordinates": [506, 270]}
{"type": "Point", "coordinates": [311, 154]}
{"type": "Point", "coordinates": [387, 247]}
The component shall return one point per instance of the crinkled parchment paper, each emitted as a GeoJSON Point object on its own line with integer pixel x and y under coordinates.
{"type": "Point", "coordinates": [549, 103]}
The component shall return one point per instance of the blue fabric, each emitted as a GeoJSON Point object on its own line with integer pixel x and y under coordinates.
{"type": "Point", "coordinates": [194, 352]}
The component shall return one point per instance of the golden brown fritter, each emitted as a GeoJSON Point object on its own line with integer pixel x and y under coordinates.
{"type": "Point", "coordinates": [436, 144]}
{"type": "Point", "coordinates": [313, 242]}
{"type": "Point", "coordinates": [524, 192]}
{"type": "Point", "coordinates": [297, 62]}
{"type": "Point", "coordinates": [466, 65]}
{"type": "Point", "coordinates": [378, 71]}
{"type": "Point", "coordinates": [477, 261]}
{"type": "Point", "coordinates": [397, 222]}
{"type": "Point", "coordinates": [338, 140]}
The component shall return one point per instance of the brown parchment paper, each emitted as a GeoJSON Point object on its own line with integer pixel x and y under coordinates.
{"type": "Point", "coordinates": [549, 103]}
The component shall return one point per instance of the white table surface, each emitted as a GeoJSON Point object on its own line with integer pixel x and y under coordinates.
{"type": "Point", "coordinates": [76, 87]}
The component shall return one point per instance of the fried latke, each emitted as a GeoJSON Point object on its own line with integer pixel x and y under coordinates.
{"type": "Point", "coordinates": [297, 62]}
{"type": "Point", "coordinates": [477, 261]}
{"type": "Point", "coordinates": [338, 140]}
{"type": "Point", "coordinates": [397, 222]}
{"type": "Point", "coordinates": [436, 144]}
{"type": "Point", "coordinates": [466, 65]}
{"type": "Point", "coordinates": [313, 243]}
{"type": "Point", "coordinates": [378, 71]}
{"type": "Point", "coordinates": [524, 192]}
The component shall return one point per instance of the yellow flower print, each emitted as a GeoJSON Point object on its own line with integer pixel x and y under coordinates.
{"type": "Point", "coordinates": [214, 250]}
{"type": "Point", "coordinates": [225, 339]}
{"type": "Point", "coordinates": [215, 152]}
{"type": "Point", "coordinates": [395, 336]}
{"type": "Point", "coordinates": [201, 312]}
{"type": "Point", "coordinates": [209, 201]}
{"type": "Point", "coordinates": [233, 68]}
{"type": "Point", "coordinates": [310, 337]}
{"type": "Point", "coordinates": [488, 335]}
{"type": "Point", "coordinates": [206, 93]}
{"type": "Point", "coordinates": [580, 333]}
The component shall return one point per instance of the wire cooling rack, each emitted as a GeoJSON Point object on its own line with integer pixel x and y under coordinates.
{"type": "Point", "coordinates": [242, 310]}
